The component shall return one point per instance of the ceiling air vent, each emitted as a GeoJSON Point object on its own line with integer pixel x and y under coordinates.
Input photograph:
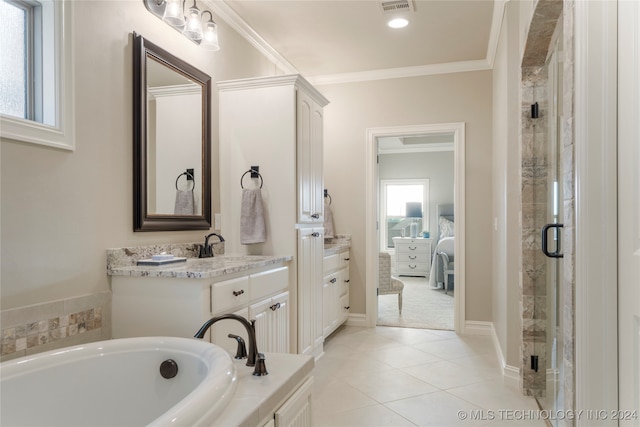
{"type": "Point", "coordinates": [393, 6]}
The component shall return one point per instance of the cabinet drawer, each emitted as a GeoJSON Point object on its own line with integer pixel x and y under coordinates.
{"type": "Point", "coordinates": [406, 267]}
{"type": "Point", "coordinates": [269, 282]}
{"type": "Point", "coordinates": [230, 293]}
{"type": "Point", "coordinates": [411, 247]}
{"type": "Point", "coordinates": [343, 259]}
{"type": "Point", "coordinates": [331, 263]}
{"type": "Point", "coordinates": [412, 258]}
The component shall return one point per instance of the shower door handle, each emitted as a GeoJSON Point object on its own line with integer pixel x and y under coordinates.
{"type": "Point", "coordinates": [545, 248]}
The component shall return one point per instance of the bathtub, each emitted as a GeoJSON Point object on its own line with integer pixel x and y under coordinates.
{"type": "Point", "coordinates": [118, 383]}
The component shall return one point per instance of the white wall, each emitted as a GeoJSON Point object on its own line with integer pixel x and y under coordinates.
{"type": "Point", "coordinates": [355, 107]}
{"type": "Point", "coordinates": [61, 210]}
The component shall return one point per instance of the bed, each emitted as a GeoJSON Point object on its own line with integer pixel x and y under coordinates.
{"type": "Point", "coordinates": [444, 243]}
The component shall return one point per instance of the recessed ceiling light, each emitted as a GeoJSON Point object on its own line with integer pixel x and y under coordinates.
{"type": "Point", "coordinates": [398, 23]}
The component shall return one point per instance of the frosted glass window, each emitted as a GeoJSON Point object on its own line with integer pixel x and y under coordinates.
{"type": "Point", "coordinates": [36, 72]}
{"type": "Point", "coordinates": [14, 65]}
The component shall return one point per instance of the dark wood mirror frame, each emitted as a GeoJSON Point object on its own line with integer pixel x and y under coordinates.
{"type": "Point", "coordinates": [142, 219]}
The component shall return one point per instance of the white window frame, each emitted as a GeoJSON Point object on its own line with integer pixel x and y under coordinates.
{"type": "Point", "coordinates": [383, 206]}
{"type": "Point", "coordinates": [59, 52]}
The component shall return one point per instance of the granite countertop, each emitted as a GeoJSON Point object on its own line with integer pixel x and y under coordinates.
{"type": "Point", "coordinates": [336, 248]}
{"type": "Point", "coordinates": [200, 268]}
{"type": "Point", "coordinates": [258, 397]}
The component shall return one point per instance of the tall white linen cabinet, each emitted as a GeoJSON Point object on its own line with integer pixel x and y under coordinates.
{"type": "Point", "coordinates": [276, 123]}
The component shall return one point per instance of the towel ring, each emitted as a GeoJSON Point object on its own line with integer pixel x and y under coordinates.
{"type": "Point", "coordinates": [326, 194]}
{"type": "Point", "coordinates": [253, 171]}
{"type": "Point", "coordinates": [188, 175]}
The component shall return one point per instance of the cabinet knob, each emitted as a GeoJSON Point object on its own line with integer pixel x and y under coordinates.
{"type": "Point", "coordinates": [315, 234]}
{"type": "Point", "coordinates": [275, 306]}
{"type": "Point", "coordinates": [347, 281]}
{"type": "Point", "coordinates": [238, 293]}
{"type": "Point", "coordinates": [347, 259]}
{"type": "Point", "coordinates": [334, 280]}
{"type": "Point", "coordinates": [315, 216]}
{"type": "Point", "coordinates": [347, 307]}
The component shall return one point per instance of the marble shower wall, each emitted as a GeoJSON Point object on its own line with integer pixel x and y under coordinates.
{"type": "Point", "coordinates": [534, 135]}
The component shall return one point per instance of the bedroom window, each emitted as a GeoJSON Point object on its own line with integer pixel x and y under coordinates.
{"type": "Point", "coordinates": [395, 195]}
{"type": "Point", "coordinates": [36, 72]}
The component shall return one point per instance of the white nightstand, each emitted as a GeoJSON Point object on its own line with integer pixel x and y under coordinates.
{"type": "Point", "coordinates": [413, 256]}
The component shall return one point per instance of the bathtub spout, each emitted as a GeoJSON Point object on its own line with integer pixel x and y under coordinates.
{"type": "Point", "coordinates": [251, 331]}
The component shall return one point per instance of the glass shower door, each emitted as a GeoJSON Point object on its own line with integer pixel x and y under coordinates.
{"type": "Point", "coordinates": [553, 399]}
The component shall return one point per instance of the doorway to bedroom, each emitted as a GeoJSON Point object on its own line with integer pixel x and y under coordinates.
{"type": "Point", "coordinates": [415, 175]}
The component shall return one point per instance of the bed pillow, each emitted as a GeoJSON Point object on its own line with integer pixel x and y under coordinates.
{"type": "Point", "coordinates": [446, 227]}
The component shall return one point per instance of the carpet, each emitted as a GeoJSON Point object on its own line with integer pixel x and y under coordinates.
{"type": "Point", "coordinates": [422, 306]}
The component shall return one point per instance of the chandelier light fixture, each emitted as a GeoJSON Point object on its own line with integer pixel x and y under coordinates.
{"type": "Point", "coordinates": [190, 22]}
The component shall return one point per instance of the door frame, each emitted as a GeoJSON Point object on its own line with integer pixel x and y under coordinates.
{"type": "Point", "coordinates": [372, 207]}
{"type": "Point", "coordinates": [596, 259]}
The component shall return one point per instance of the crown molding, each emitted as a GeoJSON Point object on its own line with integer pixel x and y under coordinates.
{"type": "Point", "coordinates": [402, 72]}
{"type": "Point", "coordinates": [226, 13]}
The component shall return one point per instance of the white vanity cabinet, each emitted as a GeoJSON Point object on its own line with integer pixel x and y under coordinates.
{"type": "Point", "coordinates": [335, 291]}
{"type": "Point", "coordinates": [157, 306]}
{"type": "Point", "coordinates": [310, 294]}
{"type": "Point", "coordinates": [309, 123]}
{"type": "Point", "coordinates": [272, 323]}
{"type": "Point", "coordinates": [276, 123]}
{"type": "Point", "coordinates": [413, 256]}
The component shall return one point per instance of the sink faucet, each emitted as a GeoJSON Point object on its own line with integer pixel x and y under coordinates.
{"type": "Point", "coordinates": [253, 358]}
{"type": "Point", "coordinates": [206, 250]}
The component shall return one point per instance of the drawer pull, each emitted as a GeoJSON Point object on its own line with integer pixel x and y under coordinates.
{"type": "Point", "coordinates": [412, 257]}
{"type": "Point", "coordinates": [412, 266]}
{"type": "Point", "coordinates": [315, 234]}
{"type": "Point", "coordinates": [347, 281]}
{"type": "Point", "coordinates": [275, 306]}
{"type": "Point", "coordinates": [315, 216]}
{"type": "Point", "coordinates": [347, 307]}
{"type": "Point", "coordinates": [413, 249]}
{"type": "Point", "coordinates": [334, 280]}
{"type": "Point", "coordinates": [347, 259]}
{"type": "Point", "coordinates": [238, 293]}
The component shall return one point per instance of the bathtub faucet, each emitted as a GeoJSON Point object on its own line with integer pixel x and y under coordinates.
{"type": "Point", "coordinates": [206, 250]}
{"type": "Point", "coordinates": [253, 358]}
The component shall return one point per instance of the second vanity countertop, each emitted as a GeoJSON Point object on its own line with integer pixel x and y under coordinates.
{"type": "Point", "coordinates": [335, 248]}
{"type": "Point", "coordinates": [201, 268]}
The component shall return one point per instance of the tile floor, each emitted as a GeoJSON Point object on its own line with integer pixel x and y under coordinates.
{"type": "Point", "coordinates": [390, 377]}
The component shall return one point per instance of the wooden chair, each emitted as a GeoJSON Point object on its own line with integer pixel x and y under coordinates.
{"type": "Point", "coordinates": [386, 284]}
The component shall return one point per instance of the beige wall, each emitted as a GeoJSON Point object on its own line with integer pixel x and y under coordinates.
{"type": "Point", "coordinates": [506, 187]}
{"type": "Point", "coordinates": [459, 97]}
{"type": "Point", "coordinates": [61, 210]}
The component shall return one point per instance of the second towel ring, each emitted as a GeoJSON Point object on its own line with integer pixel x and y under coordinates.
{"type": "Point", "coordinates": [188, 175]}
{"type": "Point", "coordinates": [251, 171]}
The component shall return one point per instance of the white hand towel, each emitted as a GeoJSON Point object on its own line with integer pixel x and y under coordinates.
{"type": "Point", "coordinates": [252, 224]}
{"type": "Point", "coordinates": [328, 220]}
{"type": "Point", "coordinates": [184, 203]}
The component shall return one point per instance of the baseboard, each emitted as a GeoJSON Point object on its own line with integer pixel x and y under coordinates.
{"type": "Point", "coordinates": [511, 374]}
{"type": "Point", "coordinates": [359, 320]}
{"type": "Point", "coordinates": [474, 327]}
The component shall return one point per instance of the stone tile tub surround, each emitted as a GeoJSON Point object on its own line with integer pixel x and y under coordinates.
{"type": "Point", "coordinates": [55, 324]}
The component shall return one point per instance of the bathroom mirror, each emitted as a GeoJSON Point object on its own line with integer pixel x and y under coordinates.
{"type": "Point", "coordinates": [172, 141]}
